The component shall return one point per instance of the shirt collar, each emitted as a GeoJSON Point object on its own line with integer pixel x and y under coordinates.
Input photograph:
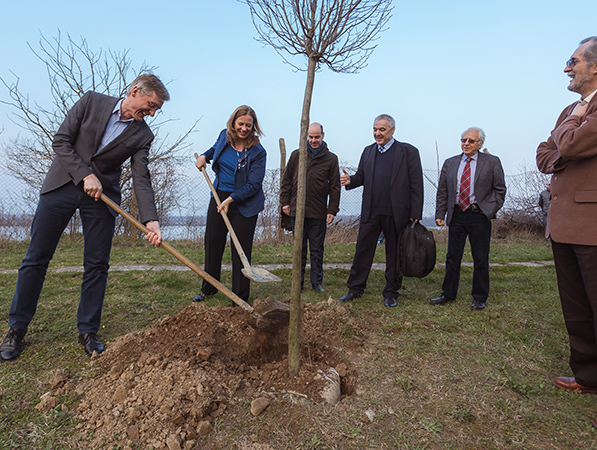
{"type": "Point", "coordinates": [473, 158]}
{"type": "Point", "coordinates": [589, 97]}
{"type": "Point", "coordinates": [387, 146]}
{"type": "Point", "coordinates": [117, 110]}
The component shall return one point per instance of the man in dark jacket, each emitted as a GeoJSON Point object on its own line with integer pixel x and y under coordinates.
{"type": "Point", "coordinates": [392, 179]}
{"type": "Point", "coordinates": [97, 136]}
{"type": "Point", "coordinates": [323, 183]}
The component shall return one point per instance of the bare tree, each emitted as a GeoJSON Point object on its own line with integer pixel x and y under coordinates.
{"type": "Point", "coordinates": [74, 68]}
{"type": "Point", "coordinates": [338, 34]}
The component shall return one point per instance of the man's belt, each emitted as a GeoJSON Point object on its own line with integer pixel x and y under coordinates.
{"type": "Point", "coordinates": [473, 207]}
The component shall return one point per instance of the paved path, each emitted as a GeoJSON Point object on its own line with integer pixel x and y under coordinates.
{"type": "Point", "coordinates": [182, 268]}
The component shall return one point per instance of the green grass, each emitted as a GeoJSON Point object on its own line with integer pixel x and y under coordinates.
{"type": "Point", "coordinates": [69, 252]}
{"type": "Point", "coordinates": [436, 377]}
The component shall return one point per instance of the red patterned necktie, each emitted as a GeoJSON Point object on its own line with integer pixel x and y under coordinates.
{"type": "Point", "coordinates": [464, 197]}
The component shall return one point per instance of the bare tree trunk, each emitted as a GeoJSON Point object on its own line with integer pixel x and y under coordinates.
{"type": "Point", "coordinates": [282, 168]}
{"type": "Point", "coordinates": [295, 296]}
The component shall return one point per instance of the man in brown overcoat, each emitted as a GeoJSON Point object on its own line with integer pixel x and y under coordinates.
{"type": "Point", "coordinates": [570, 154]}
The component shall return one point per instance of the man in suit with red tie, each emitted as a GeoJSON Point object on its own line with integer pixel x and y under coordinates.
{"type": "Point", "coordinates": [471, 191]}
{"type": "Point", "coordinates": [97, 136]}
{"type": "Point", "coordinates": [570, 154]}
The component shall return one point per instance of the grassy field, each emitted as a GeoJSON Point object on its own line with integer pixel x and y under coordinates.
{"type": "Point", "coordinates": [436, 377]}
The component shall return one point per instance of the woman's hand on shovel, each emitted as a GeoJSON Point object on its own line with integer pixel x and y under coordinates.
{"type": "Point", "coordinates": [224, 205]}
{"type": "Point", "coordinates": [155, 234]}
{"type": "Point", "coordinates": [200, 162]}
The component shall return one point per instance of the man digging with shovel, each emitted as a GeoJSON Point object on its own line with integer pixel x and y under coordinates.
{"type": "Point", "coordinates": [98, 135]}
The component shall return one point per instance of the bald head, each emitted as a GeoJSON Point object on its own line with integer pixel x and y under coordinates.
{"type": "Point", "coordinates": [315, 135]}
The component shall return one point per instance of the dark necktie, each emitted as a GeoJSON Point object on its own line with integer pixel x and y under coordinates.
{"type": "Point", "coordinates": [464, 197]}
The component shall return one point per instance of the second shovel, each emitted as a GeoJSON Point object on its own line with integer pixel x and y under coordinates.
{"type": "Point", "coordinates": [253, 273]}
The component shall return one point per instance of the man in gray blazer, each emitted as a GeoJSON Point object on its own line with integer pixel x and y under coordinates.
{"type": "Point", "coordinates": [97, 136]}
{"type": "Point", "coordinates": [471, 191]}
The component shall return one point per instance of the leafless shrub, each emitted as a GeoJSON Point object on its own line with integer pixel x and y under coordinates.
{"type": "Point", "coordinates": [74, 68]}
{"type": "Point", "coordinates": [521, 214]}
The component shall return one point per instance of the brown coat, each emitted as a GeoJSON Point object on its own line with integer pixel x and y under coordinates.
{"type": "Point", "coordinates": [570, 154]}
{"type": "Point", "coordinates": [322, 195]}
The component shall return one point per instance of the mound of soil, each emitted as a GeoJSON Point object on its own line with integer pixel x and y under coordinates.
{"type": "Point", "coordinates": [161, 388]}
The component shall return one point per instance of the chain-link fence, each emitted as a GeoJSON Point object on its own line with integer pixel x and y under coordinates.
{"type": "Point", "coordinates": [188, 223]}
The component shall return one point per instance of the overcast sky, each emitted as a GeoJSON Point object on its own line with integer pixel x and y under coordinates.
{"type": "Point", "coordinates": [438, 69]}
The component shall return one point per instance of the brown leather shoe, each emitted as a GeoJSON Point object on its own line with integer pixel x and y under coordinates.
{"type": "Point", "coordinates": [570, 384]}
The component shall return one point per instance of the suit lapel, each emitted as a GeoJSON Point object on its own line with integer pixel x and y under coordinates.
{"type": "Point", "coordinates": [102, 123]}
{"type": "Point", "coordinates": [481, 160]}
{"type": "Point", "coordinates": [398, 158]}
{"type": "Point", "coordinates": [127, 133]}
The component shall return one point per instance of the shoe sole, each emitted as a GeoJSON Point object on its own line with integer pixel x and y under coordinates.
{"type": "Point", "coordinates": [582, 391]}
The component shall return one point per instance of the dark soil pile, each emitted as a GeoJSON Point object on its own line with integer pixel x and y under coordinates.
{"type": "Point", "coordinates": [163, 387]}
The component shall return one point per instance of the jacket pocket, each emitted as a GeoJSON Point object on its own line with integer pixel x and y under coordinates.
{"type": "Point", "coordinates": [585, 196]}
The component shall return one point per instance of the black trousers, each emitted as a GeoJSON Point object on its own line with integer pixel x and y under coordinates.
{"type": "Point", "coordinates": [313, 233]}
{"type": "Point", "coordinates": [369, 233]}
{"type": "Point", "coordinates": [576, 271]}
{"type": "Point", "coordinates": [215, 242]}
{"type": "Point", "coordinates": [53, 213]}
{"type": "Point", "coordinates": [478, 229]}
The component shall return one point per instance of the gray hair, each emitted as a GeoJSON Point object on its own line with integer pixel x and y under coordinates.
{"type": "Point", "coordinates": [591, 51]}
{"type": "Point", "coordinates": [386, 117]}
{"type": "Point", "coordinates": [478, 130]}
{"type": "Point", "coordinates": [148, 83]}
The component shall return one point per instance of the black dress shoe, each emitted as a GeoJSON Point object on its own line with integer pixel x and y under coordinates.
{"type": "Point", "coordinates": [200, 298]}
{"type": "Point", "coordinates": [441, 300]}
{"type": "Point", "coordinates": [390, 302]}
{"type": "Point", "coordinates": [318, 288]}
{"type": "Point", "coordinates": [478, 305]}
{"type": "Point", "coordinates": [12, 346]}
{"type": "Point", "coordinates": [91, 343]}
{"type": "Point", "coordinates": [349, 297]}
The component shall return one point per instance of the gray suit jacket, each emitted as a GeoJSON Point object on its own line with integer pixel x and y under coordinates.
{"type": "Point", "coordinates": [77, 140]}
{"type": "Point", "coordinates": [489, 185]}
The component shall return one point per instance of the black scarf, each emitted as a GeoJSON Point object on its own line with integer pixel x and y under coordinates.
{"type": "Point", "coordinates": [316, 151]}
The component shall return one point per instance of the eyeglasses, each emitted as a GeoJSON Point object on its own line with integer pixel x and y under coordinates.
{"type": "Point", "coordinates": [573, 62]}
{"type": "Point", "coordinates": [470, 141]}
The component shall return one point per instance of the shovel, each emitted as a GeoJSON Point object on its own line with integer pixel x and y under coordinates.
{"type": "Point", "coordinates": [269, 315]}
{"type": "Point", "coordinates": [253, 273]}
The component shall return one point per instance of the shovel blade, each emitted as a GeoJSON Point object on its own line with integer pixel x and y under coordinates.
{"type": "Point", "coordinates": [259, 275]}
{"type": "Point", "coordinates": [270, 316]}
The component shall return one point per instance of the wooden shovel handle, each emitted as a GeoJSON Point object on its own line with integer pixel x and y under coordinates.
{"type": "Point", "coordinates": [186, 261]}
{"type": "Point", "coordinates": [233, 236]}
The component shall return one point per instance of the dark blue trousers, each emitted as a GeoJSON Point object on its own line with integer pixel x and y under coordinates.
{"type": "Point", "coordinates": [313, 233]}
{"type": "Point", "coordinates": [53, 213]}
{"type": "Point", "coordinates": [369, 233]}
{"type": "Point", "coordinates": [478, 229]}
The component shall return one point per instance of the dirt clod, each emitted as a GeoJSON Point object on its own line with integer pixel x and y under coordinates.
{"type": "Point", "coordinates": [258, 405]}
